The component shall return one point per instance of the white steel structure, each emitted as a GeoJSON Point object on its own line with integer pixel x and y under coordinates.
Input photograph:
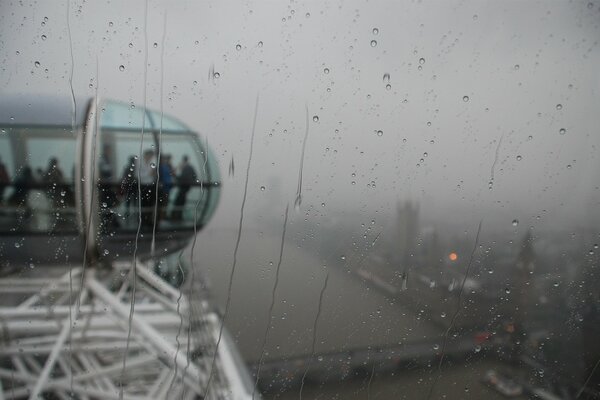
{"type": "Point", "coordinates": [71, 341]}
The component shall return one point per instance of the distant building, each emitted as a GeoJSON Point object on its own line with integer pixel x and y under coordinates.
{"type": "Point", "coordinates": [522, 280]}
{"type": "Point", "coordinates": [408, 231]}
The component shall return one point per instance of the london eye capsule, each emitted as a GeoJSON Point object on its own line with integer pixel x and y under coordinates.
{"type": "Point", "coordinates": [102, 182]}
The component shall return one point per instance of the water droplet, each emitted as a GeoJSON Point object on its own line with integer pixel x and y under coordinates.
{"type": "Point", "coordinates": [388, 86]}
{"type": "Point", "coordinates": [326, 71]}
{"type": "Point", "coordinates": [260, 44]}
{"type": "Point", "coordinates": [421, 61]}
{"type": "Point", "coordinates": [31, 265]}
{"type": "Point", "coordinates": [231, 167]}
{"type": "Point", "coordinates": [155, 45]}
{"type": "Point", "coordinates": [262, 188]}
{"type": "Point", "coordinates": [216, 75]}
{"type": "Point", "coordinates": [307, 15]}
{"type": "Point", "coordinates": [436, 346]}
{"type": "Point", "coordinates": [315, 118]}
{"type": "Point", "coordinates": [110, 23]}
{"type": "Point", "coordinates": [516, 67]}
{"type": "Point", "coordinates": [465, 98]}
{"type": "Point", "coordinates": [375, 31]}
{"type": "Point", "coordinates": [428, 123]}
{"type": "Point", "coordinates": [152, 165]}
{"type": "Point", "coordinates": [238, 47]}
{"type": "Point", "coordinates": [37, 64]}
{"type": "Point", "coordinates": [43, 37]}
{"type": "Point", "coordinates": [443, 315]}
{"type": "Point", "coordinates": [17, 245]}
{"type": "Point", "coordinates": [515, 222]}
{"type": "Point", "coordinates": [559, 106]}
{"type": "Point", "coordinates": [519, 158]}
{"type": "Point", "coordinates": [106, 252]}
{"type": "Point", "coordinates": [562, 131]}
{"type": "Point", "coordinates": [121, 68]}
{"type": "Point", "coordinates": [373, 43]}
{"type": "Point", "coordinates": [386, 77]}
{"type": "Point", "coordinates": [379, 133]}
{"type": "Point", "coordinates": [477, 348]}
{"type": "Point", "coordinates": [343, 257]}
{"type": "Point", "coordinates": [507, 290]}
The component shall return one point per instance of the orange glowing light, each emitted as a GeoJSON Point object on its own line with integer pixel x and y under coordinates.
{"type": "Point", "coordinates": [453, 256]}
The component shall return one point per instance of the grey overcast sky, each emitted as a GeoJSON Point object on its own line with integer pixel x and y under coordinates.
{"type": "Point", "coordinates": [516, 61]}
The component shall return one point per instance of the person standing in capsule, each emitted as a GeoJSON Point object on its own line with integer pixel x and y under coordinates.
{"type": "Point", "coordinates": [148, 188]}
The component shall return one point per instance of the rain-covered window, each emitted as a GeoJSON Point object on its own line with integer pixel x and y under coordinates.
{"type": "Point", "coordinates": [299, 200]}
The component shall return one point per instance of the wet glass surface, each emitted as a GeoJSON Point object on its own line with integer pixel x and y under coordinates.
{"type": "Point", "coordinates": [319, 200]}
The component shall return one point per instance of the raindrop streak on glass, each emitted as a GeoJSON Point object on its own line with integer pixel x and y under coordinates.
{"type": "Point", "coordinates": [133, 271]}
{"type": "Point", "coordinates": [495, 160]}
{"type": "Point", "coordinates": [267, 329]}
{"type": "Point", "coordinates": [211, 73]}
{"type": "Point", "coordinates": [370, 380]}
{"type": "Point", "coordinates": [298, 200]}
{"type": "Point", "coordinates": [376, 239]}
{"type": "Point", "coordinates": [314, 339]}
{"type": "Point", "coordinates": [92, 185]}
{"type": "Point", "coordinates": [235, 252]}
{"type": "Point", "coordinates": [179, 329]}
{"type": "Point", "coordinates": [457, 312]}
{"type": "Point", "coordinates": [580, 392]}
{"type": "Point", "coordinates": [158, 158]}
{"type": "Point", "coordinates": [193, 274]}
{"type": "Point", "coordinates": [73, 119]}
{"type": "Point", "coordinates": [231, 167]}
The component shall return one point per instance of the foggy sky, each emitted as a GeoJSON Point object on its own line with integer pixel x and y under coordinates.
{"type": "Point", "coordinates": [514, 60]}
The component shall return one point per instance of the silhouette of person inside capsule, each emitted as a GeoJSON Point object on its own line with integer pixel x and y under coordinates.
{"type": "Point", "coordinates": [129, 185]}
{"type": "Point", "coordinates": [147, 177]}
{"type": "Point", "coordinates": [165, 183]}
{"type": "Point", "coordinates": [4, 180]}
{"type": "Point", "coordinates": [54, 178]}
{"type": "Point", "coordinates": [107, 195]}
{"type": "Point", "coordinates": [187, 177]}
{"type": "Point", "coordinates": [22, 185]}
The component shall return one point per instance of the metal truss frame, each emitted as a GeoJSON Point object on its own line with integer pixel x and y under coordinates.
{"type": "Point", "coordinates": [60, 340]}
